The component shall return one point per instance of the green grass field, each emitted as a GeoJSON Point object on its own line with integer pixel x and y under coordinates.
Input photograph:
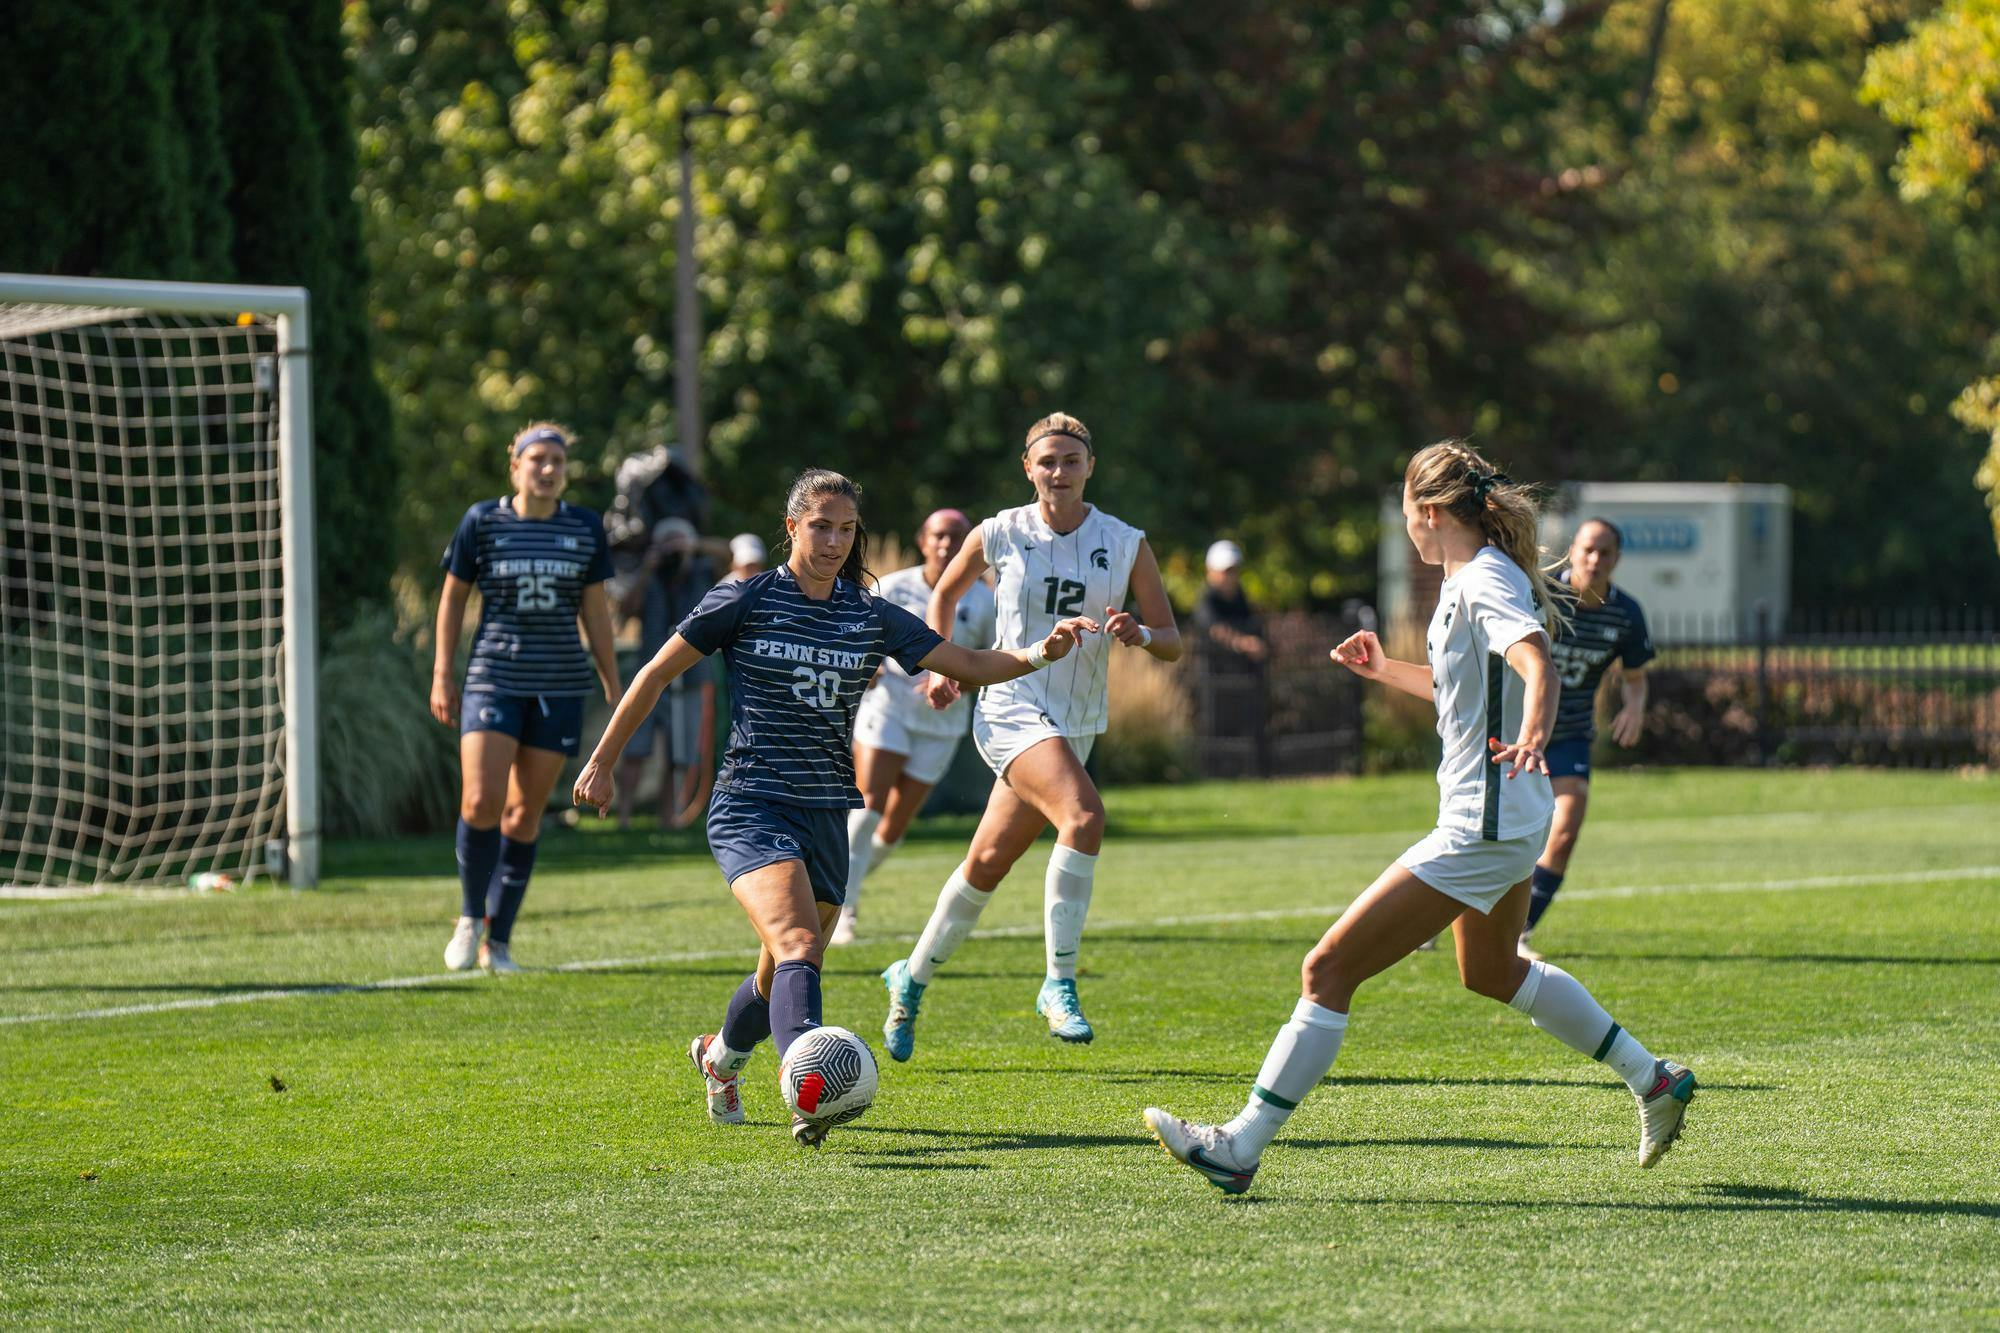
{"type": "Point", "coordinates": [1823, 948]}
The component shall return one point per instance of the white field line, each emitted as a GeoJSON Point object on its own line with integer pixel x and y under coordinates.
{"type": "Point", "coordinates": [83, 893]}
{"type": "Point", "coordinates": [1955, 873]}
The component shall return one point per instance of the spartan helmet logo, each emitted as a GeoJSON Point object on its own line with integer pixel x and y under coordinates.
{"type": "Point", "coordinates": [1101, 558]}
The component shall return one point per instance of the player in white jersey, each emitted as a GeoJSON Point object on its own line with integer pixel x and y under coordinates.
{"type": "Point", "coordinates": [1489, 677]}
{"type": "Point", "coordinates": [903, 746]}
{"type": "Point", "coordinates": [1053, 558]}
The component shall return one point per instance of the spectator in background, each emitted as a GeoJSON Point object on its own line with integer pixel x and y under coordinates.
{"type": "Point", "coordinates": [1231, 693]}
{"type": "Point", "coordinates": [746, 557]}
{"type": "Point", "coordinates": [1223, 615]}
{"type": "Point", "coordinates": [659, 590]}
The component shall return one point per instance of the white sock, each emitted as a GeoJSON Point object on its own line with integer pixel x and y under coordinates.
{"type": "Point", "coordinates": [878, 852]}
{"type": "Point", "coordinates": [1561, 1007]}
{"type": "Point", "coordinates": [860, 838]}
{"type": "Point", "coordinates": [1065, 903]}
{"type": "Point", "coordinates": [725, 1061]}
{"type": "Point", "coordinates": [1299, 1059]}
{"type": "Point", "coordinates": [957, 912]}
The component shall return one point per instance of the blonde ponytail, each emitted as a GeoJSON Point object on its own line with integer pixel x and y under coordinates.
{"type": "Point", "coordinates": [1452, 476]}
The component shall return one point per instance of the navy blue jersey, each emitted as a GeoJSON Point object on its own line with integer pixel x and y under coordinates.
{"type": "Point", "coordinates": [797, 669]}
{"type": "Point", "coordinates": [531, 573]}
{"type": "Point", "coordinates": [1582, 652]}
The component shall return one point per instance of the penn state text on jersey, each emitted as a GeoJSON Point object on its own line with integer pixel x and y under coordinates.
{"type": "Point", "coordinates": [797, 670]}
{"type": "Point", "coordinates": [531, 573]}
{"type": "Point", "coordinates": [1584, 650]}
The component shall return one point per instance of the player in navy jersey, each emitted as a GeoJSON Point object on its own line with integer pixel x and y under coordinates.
{"type": "Point", "coordinates": [802, 641]}
{"type": "Point", "coordinates": [540, 566]}
{"type": "Point", "coordinates": [1605, 625]}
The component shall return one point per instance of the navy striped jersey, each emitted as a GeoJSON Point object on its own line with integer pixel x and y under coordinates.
{"type": "Point", "coordinates": [1583, 651]}
{"type": "Point", "coordinates": [797, 670]}
{"type": "Point", "coordinates": [531, 573]}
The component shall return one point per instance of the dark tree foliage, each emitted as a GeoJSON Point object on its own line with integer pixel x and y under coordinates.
{"type": "Point", "coordinates": [202, 141]}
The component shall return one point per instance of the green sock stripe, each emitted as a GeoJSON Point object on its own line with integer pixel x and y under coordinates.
{"type": "Point", "coordinates": [1273, 1098]}
{"type": "Point", "coordinates": [1605, 1045]}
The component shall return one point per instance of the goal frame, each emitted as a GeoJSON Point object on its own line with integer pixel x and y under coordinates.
{"type": "Point", "coordinates": [289, 307]}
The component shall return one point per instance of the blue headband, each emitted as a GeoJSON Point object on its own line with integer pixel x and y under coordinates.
{"type": "Point", "coordinates": [546, 435]}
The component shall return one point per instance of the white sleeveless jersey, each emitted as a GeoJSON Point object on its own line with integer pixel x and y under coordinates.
{"type": "Point", "coordinates": [1484, 609]}
{"type": "Point", "coordinates": [972, 627]}
{"type": "Point", "coordinates": [1045, 577]}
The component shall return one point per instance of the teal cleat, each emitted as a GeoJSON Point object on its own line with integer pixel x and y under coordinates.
{"type": "Point", "coordinates": [899, 1029]}
{"type": "Point", "coordinates": [1057, 1002]}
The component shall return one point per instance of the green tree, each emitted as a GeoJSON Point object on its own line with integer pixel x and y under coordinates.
{"type": "Point", "coordinates": [197, 143]}
{"type": "Point", "coordinates": [1942, 84]}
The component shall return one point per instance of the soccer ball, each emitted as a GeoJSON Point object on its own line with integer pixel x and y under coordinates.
{"type": "Point", "coordinates": [828, 1076]}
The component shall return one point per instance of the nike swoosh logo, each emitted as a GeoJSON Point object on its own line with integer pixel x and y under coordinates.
{"type": "Point", "coordinates": [502, 541]}
{"type": "Point", "coordinates": [1197, 1158]}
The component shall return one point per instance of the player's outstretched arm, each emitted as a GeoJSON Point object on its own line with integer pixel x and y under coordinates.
{"type": "Point", "coordinates": [450, 621]}
{"type": "Point", "coordinates": [1631, 719]}
{"type": "Point", "coordinates": [1362, 654]}
{"type": "Point", "coordinates": [1529, 753]}
{"type": "Point", "coordinates": [595, 616]}
{"type": "Point", "coordinates": [990, 666]}
{"type": "Point", "coordinates": [1153, 628]}
{"type": "Point", "coordinates": [594, 785]}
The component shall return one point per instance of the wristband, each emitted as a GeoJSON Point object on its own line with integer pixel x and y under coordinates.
{"type": "Point", "coordinates": [1145, 636]}
{"type": "Point", "coordinates": [1037, 659]}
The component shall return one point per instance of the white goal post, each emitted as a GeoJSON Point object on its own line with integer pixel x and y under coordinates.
{"type": "Point", "coordinates": [158, 655]}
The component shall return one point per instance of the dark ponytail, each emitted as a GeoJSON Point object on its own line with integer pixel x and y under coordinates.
{"type": "Point", "coordinates": [818, 481]}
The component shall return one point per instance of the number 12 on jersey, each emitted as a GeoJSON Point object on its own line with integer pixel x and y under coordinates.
{"type": "Point", "coordinates": [1065, 597]}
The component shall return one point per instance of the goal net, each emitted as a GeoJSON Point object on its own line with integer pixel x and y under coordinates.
{"type": "Point", "coordinates": [155, 601]}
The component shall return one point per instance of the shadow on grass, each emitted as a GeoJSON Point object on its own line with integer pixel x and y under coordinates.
{"type": "Point", "coordinates": [956, 1142]}
{"type": "Point", "coordinates": [1723, 1198]}
{"type": "Point", "coordinates": [1885, 959]}
{"type": "Point", "coordinates": [922, 1166]}
{"type": "Point", "coordinates": [1333, 1081]}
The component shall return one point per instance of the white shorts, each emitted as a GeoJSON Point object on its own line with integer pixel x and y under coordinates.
{"type": "Point", "coordinates": [1003, 739]}
{"type": "Point", "coordinates": [877, 726]}
{"type": "Point", "coordinates": [1467, 867]}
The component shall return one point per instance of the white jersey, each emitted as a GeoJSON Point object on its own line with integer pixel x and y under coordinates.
{"type": "Point", "coordinates": [1044, 577]}
{"type": "Point", "coordinates": [971, 628]}
{"type": "Point", "coordinates": [1484, 609]}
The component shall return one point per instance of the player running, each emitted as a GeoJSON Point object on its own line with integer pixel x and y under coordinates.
{"type": "Point", "coordinates": [1053, 558]}
{"type": "Point", "coordinates": [540, 564]}
{"type": "Point", "coordinates": [802, 641]}
{"type": "Point", "coordinates": [903, 746]}
{"type": "Point", "coordinates": [1489, 676]}
{"type": "Point", "coordinates": [1604, 623]}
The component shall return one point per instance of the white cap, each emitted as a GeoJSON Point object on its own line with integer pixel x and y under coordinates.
{"type": "Point", "coordinates": [746, 548]}
{"type": "Point", "coordinates": [1225, 555]}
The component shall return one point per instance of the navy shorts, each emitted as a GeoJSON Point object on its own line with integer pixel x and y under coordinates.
{"type": "Point", "coordinates": [747, 833]}
{"type": "Point", "coordinates": [1569, 759]}
{"type": "Point", "coordinates": [539, 721]}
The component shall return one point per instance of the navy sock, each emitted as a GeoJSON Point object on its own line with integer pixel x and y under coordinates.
{"type": "Point", "coordinates": [478, 853]}
{"type": "Point", "coordinates": [1541, 892]}
{"type": "Point", "coordinates": [509, 887]}
{"type": "Point", "coordinates": [794, 1002]}
{"type": "Point", "coordinates": [747, 1021]}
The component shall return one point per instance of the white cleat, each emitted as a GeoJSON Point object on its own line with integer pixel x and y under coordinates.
{"type": "Point", "coordinates": [843, 930]}
{"type": "Point", "coordinates": [1662, 1110]}
{"type": "Point", "coordinates": [462, 954]}
{"type": "Point", "coordinates": [1207, 1149]}
{"type": "Point", "coordinates": [725, 1092]}
{"type": "Point", "coordinates": [494, 958]}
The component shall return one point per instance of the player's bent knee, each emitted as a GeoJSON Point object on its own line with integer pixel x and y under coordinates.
{"type": "Point", "coordinates": [988, 863]}
{"type": "Point", "coordinates": [1323, 980]}
{"type": "Point", "coordinates": [1495, 980]}
{"type": "Point", "coordinates": [797, 944]}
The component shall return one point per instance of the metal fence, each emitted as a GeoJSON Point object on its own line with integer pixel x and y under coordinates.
{"type": "Point", "coordinates": [1290, 715]}
{"type": "Point", "coordinates": [1904, 689]}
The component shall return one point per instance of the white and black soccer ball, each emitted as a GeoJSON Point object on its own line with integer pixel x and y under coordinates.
{"type": "Point", "coordinates": [829, 1076]}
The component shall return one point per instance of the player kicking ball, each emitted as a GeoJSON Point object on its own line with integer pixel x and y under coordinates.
{"type": "Point", "coordinates": [802, 641]}
{"type": "Point", "coordinates": [1489, 676]}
